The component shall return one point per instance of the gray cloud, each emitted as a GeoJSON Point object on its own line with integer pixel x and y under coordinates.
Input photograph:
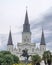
{"type": "Point", "coordinates": [46, 22]}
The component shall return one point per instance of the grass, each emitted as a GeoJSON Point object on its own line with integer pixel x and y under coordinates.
{"type": "Point", "coordinates": [21, 63]}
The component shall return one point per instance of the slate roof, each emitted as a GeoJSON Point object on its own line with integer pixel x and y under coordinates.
{"type": "Point", "coordinates": [26, 25]}
{"type": "Point", "coordinates": [42, 38]}
{"type": "Point", "coordinates": [10, 39]}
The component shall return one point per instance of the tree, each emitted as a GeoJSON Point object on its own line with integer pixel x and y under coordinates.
{"type": "Point", "coordinates": [8, 59]}
{"type": "Point", "coordinates": [1, 61]}
{"type": "Point", "coordinates": [51, 59]}
{"type": "Point", "coordinates": [4, 57]}
{"type": "Point", "coordinates": [5, 52]}
{"type": "Point", "coordinates": [15, 59]}
{"type": "Point", "coordinates": [36, 59]}
{"type": "Point", "coordinates": [47, 57]}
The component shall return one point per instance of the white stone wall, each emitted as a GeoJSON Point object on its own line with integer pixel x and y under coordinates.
{"type": "Point", "coordinates": [26, 44]}
{"type": "Point", "coordinates": [26, 37]}
{"type": "Point", "coordinates": [30, 51]}
{"type": "Point", "coordinates": [29, 46]}
{"type": "Point", "coordinates": [42, 48]}
{"type": "Point", "coordinates": [10, 48]}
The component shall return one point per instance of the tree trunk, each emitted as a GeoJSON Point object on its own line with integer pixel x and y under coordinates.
{"type": "Point", "coordinates": [38, 63]}
{"type": "Point", "coordinates": [49, 62]}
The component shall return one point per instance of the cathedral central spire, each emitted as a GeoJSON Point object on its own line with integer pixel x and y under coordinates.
{"type": "Point", "coordinates": [26, 18]}
{"type": "Point", "coordinates": [26, 26]}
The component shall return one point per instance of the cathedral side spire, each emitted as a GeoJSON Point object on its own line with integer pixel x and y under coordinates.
{"type": "Point", "coordinates": [10, 38]}
{"type": "Point", "coordinates": [42, 38]}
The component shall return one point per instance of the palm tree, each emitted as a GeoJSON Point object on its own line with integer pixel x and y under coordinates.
{"type": "Point", "coordinates": [51, 59]}
{"type": "Point", "coordinates": [47, 57]}
{"type": "Point", "coordinates": [36, 59]}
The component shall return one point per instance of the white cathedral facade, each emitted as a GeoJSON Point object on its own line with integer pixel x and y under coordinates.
{"type": "Point", "coordinates": [26, 42]}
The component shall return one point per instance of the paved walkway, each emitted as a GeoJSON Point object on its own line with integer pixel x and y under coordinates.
{"type": "Point", "coordinates": [42, 63]}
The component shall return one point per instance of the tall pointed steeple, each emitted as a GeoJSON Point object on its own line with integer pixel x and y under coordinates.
{"type": "Point", "coordinates": [26, 18]}
{"type": "Point", "coordinates": [42, 38]}
{"type": "Point", "coordinates": [10, 39]}
{"type": "Point", "coordinates": [26, 26]}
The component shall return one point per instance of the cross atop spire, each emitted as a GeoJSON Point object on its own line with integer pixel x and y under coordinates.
{"type": "Point", "coordinates": [10, 28]}
{"type": "Point", "coordinates": [10, 39]}
{"type": "Point", "coordinates": [42, 38]}
{"type": "Point", "coordinates": [26, 7]}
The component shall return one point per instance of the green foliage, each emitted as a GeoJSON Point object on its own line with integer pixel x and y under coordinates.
{"type": "Point", "coordinates": [1, 60]}
{"type": "Point", "coordinates": [35, 59]}
{"type": "Point", "coordinates": [15, 59]}
{"type": "Point", "coordinates": [1, 55]}
{"type": "Point", "coordinates": [46, 55]}
{"type": "Point", "coordinates": [5, 52]}
{"type": "Point", "coordinates": [51, 58]}
{"type": "Point", "coordinates": [6, 58]}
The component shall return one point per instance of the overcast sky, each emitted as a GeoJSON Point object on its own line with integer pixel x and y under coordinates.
{"type": "Point", "coordinates": [12, 13]}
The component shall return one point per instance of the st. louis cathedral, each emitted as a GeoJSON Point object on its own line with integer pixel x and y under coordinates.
{"type": "Point", "coordinates": [26, 42]}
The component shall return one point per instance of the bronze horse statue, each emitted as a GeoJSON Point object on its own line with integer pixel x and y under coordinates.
{"type": "Point", "coordinates": [25, 54]}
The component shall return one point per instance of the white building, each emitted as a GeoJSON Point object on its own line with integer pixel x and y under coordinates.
{"type": "Point", "coordinates": [26, 42]}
